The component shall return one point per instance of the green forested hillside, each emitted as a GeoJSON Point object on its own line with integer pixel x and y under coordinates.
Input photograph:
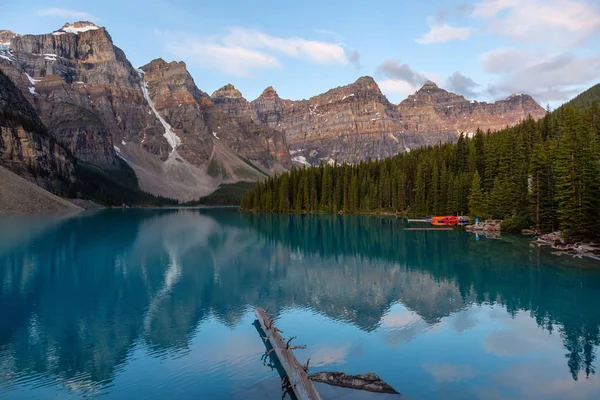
{"type": "Point", "coordinates": [587, 98]}
{"type": "Point", "coordinates": [227, 194]}
{"type": "Point", "coordinates": [543, 174]}
{"type": "Point", "coordinates": [113, 188]}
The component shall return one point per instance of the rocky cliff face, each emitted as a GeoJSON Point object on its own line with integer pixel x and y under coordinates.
{"type": "Point", "coordinates": [269, 107]}
{"type": "Point", "coordinates": [438, 115]}
{"type": "Point", "coordinates": [230, 100]}
{"type": "Point", "coordinates": [346, 124]}
{"type": "Point", "coordinates": [177, 99]}
{"type": "Point", "coordinates": [26, 148]}
{"type": "Point", "coordinates": [85, 90]}
{"type": "Point", "coordinates": [5, 37]}
{"type": "Point", "coordinates": [356, 122]}
{"type": "Point", "coordinates": [182, 143]}
{"type": "Point", "coordinates": [215, 131]}
{"type": "Point", "coordinates": [100, 108]}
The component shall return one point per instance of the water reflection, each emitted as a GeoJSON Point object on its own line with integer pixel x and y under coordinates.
{"type": "Point", "coordinates": [79, 297]}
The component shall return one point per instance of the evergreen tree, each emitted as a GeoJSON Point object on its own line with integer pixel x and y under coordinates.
{"type": "Point", "coordinates": [577, 173]}
{"type": "Point", "coordinates": [542, 174]}
{"type": "Point", "coordinates": [477, 207]}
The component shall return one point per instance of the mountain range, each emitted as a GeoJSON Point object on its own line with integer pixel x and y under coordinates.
{"type": "Point", "coordinates": [80, 100]}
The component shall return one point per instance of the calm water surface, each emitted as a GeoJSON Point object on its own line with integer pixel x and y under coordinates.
{"type": "Point", "coordinates": [159, 303]}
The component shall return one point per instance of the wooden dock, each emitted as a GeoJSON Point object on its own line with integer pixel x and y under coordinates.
{"type": "Point", "coordinates": [297, 378]}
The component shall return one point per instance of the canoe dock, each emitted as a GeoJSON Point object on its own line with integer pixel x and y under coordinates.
{"type": "Point", "coordinates": [429, 229]}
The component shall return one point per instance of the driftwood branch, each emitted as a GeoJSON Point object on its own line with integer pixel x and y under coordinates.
{"type": "Point", "coordinates": [305, 366]}
{"type": "Point", "coordinates": [287, 344]}
{"type": "Point", "coordinates": [298, 380]}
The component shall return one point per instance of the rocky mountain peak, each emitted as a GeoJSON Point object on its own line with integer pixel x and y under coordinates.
{"type": "Point", "coordinates": [439, 115]}
{"type": "Point", "coordinates": [366, 83]}
{"type": "Point", "coordinates": [227, 92]}
{"type": "Point", "coordinates": [526, 102]}
{"type": "Point", "coordinates": [430, 93]}
{"type": "Point", "coordinates": [365, 80]}
{"type": "Point", "coordinates": [363, 87]}
{"type": "Point", "coordinates": [77, 27]}
{"type": "Point", "coordinates": [156, 63]}
{"type": "Point", "coordinates": [6, 36]}
{"type": "Point", "coordinates": [160, 64]}
{"type": "Point", "coordinates": [429, 85]}
{"type": "Point", "coordinates": [178, 85]}
{"type": "Point", "coordinates": [230, 100]}
{"type": "Point", "coordinates": [269, 93]}
{"type": "Point", "coordinates": [519, 97]}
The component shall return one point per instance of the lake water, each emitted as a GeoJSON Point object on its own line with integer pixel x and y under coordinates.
{"type": "Point", "coordinates": [158, 304]}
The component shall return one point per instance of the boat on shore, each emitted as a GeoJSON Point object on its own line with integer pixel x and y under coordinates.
{"type": "Point", "coordinates": [449, 220]}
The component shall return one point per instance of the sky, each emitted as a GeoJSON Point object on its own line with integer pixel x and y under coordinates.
{"type": "Point", "coordinates": [483, 49]}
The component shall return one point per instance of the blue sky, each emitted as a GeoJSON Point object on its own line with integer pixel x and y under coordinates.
{"type": "Point", "coordinates": [483, 49]}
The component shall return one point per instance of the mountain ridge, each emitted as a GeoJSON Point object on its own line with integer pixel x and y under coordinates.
{"type": "Point", "coordinates": [183, 142]}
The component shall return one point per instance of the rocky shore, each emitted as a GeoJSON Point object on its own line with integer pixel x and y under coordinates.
{"type": "Point", "coordinates": [561, 246]}
{"type": "Point", "coordinates": [18, 195]}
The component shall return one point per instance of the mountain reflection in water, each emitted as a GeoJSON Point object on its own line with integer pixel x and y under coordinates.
{"type": "Point", "coordinates": [115, 301]}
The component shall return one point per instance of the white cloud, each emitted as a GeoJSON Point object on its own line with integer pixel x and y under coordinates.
{"type": "Point", "coordinates": [67, 14]}
{"type": "Point", "coordinates": [551, 21]}
{"type": "Point", "coordinates": [316, 51]}
{"type": "Point", "coordinates": [243, 52]}
{"type": "Point", "coordinates": [489, 8]}
{"type": "Point", "coordinates": [326, 355]}
{"type": "Point", "coordinates": [443, 373]}
{"type": "Point", "coordinates": [545, 76]}
{"type": "Point", "coordinates": [549, 377]}
{"type": "Point", "coordinates": [235, 61]}
{"type": "Point", "coordinates": [400, 317]}
{"type": "Point", "coordinates": [402, 72]}
{"type": "Point", "coordinates": [401, 80]}
{"type": "Point", "coordinates": [442, 33]}
{"type": "Point", "coordinates": [333, 34]}
{"type": "Point", "coordinates": [397, 87]}
{"type": "Point", "coordinates": [506, 60]}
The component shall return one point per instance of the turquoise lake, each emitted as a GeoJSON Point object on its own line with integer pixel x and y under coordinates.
{"type": "Point", "coordinates": [158, 304]}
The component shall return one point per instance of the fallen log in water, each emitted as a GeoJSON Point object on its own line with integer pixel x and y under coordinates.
{"type": "Point", "coordinates": [369, 382]}
{"type": "Point", "coordinates": [297, 378]}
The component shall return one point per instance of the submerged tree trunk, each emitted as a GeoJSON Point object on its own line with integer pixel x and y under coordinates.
{"type": "Point", "coordinates": [369, 381]}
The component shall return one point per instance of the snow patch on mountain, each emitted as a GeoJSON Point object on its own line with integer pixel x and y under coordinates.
{"type": "Point", "coordinates": [72, 28]}
{"type": "Point", "coordinates": [31, 80]}
{"type": "Point", "coordinates": [301, 160]}
{"type": "Point", "coordinates": [172, 138]}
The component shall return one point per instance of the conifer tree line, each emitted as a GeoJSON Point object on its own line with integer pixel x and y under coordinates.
{"type": "Point", "coordinates": [542, 174]}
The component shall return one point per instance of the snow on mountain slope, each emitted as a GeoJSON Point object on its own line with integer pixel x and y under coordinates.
{"type": "Point", "coordinates": [171, 137]}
